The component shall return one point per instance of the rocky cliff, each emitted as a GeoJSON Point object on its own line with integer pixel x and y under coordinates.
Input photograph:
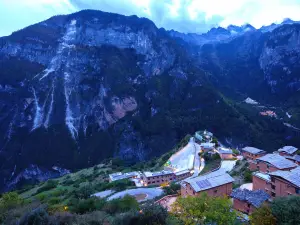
{"type": "Point", "coordinates": [80, 88]}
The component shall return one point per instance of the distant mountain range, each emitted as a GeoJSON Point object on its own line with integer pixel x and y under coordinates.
{"type": "Point", "coordinates": [81, 88]}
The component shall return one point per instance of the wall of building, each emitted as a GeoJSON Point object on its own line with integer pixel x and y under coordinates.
{"type": "Point", "coordinates": [226, 156]}
{"type": "Point", "coordinates": [285, 154]}
{"type": "Point", "coordinates": [267, 168]}
{"type": "Point", "coordinates": [250, 156]}
{"type": "Point", "coordinates": [222, 190]}
{"type": "Point", "coordinates": [183, 176]}
{"type": "Point", "coordinates": [283, 188]}
{"type": "Point", "coordinates": [157, 180]}
{"type": "Point", "coordinates": [243, 206]}
{"type": "Point", "coordinates": [252, 165]}
{"type": "Point", "coordinates": [276, 188]}
{"type": "Point", "coordinates": [261, 184]}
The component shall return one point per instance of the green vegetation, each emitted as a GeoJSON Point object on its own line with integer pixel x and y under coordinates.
{"type": "Point", "coordinates": [212, 161]}
{"type": "Point", "coordinates": [204, 210]}
{"type": "Point", "coordinates": [172, 189]}
{"type": "Point", "coordinates": [262, 216]}
{"type": "Point", "coordinates": [286, 210]}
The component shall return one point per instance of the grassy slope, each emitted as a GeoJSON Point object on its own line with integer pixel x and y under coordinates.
{"type": "Point", "coordinates": [91, 180]}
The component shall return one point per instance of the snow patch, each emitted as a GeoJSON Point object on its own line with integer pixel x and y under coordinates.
{"type": "Point", "coordinates": [251, 101]}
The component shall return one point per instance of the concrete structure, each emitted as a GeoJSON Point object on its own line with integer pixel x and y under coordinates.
{"type": "Point", "coordinates": [272, 162]}
{"type": "Point", "coordinates": [287, 151]}
{"type": "Point", "coordinates": [204, 136]}
{"type": "Point", "coordinates": [121, 176]}
{"type": "Point", "coordinates": [251, 153]}
{"type": "Point", "coordinates": [157, 178]}
{"type": "Point", "coordinates": [247, 201]}
{"type": "Point", "coordinates": [225, 153]}
{"type": "Point", "coordinates": [217, 183]}
{"type": "Point", "coordinates": [207, 146]}
{"type": "Point", "coordinates": [278, 183]}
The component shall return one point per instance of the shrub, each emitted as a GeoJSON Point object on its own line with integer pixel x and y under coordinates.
{"type": "Point", "coordinates": [12, 216]}
{"type": "Point", "coordinates": [93, 218]}
{"type": "Point", "coordinates": [84, 192]}
{"type": "Point", "coordinates": [41, 197]}
{"type": "Point", "coordinates": [172, 189]}
{"type": "Point", "coordinates": [10, 200]}
{"type": "Point", "coordinates": [50, 184]}
{"type": "Point", "coordinates": [35, 217]}
{"type": "Point", "coordinates": [86, 205]}
{"type": "Point", "coordinates": [121, 205]}
{"type": "Point", "coordinates": [54, 200]}
{"type": "Point", "coordinates": [247, 176]}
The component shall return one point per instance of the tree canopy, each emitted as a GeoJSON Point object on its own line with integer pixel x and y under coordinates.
{"type": "Point", "coordinates": [286, 210]}
{"type": "Point", "coordinates": [204, 209]}
{"type": "Point", "coordinates": [262, 216]}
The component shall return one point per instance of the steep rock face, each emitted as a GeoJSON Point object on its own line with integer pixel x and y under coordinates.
{"type": "Point", "coordinates": [280, 58]}
{"type": "Point", "coordinates": [66, 78]}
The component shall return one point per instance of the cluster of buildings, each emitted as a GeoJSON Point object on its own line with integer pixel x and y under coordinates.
{"type": "Point", "coordinates": [151, 178]}
{"type": "Point", "coordinates": [274, 175]}
{"type": "Point", "coordinates": [268, 113]}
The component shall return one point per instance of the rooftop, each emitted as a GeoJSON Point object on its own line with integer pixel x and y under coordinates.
{"type": "Point", "coordinates": [208, 145]}
{"type": "Point", "coordinates": [120, 176]}
{"type": "Point", "coordinates": [182, 172]}
{"type": "Point", "coordinates": [292, 176]}
{"type": "Point", "coordinates": [211, 180]}
{"type": "Point", "coordinates": [295, 157]}
{"type": "Point", "coordinates": [278, 161]}
{"type": "Point", "coordinates": [255, 198]}
{"type": "Point", "coordinates": [263, 176]}
{"type": "Point", "coordinates": [222, 150]}
{"type": "Point", "coordinates": [288, 149]}
{"type": "Point", "coordinates": [158, 173]}
{"type": "Point", "coordinates": [253, 150]}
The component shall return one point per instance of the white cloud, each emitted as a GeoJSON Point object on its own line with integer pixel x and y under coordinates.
{"type": "Point", "coordinates": [181, 15]}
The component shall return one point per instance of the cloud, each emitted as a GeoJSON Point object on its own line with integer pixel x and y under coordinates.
{"type": "Point", "coordinates": [182, 15]}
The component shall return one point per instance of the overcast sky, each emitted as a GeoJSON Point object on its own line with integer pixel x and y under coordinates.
{"type": "Point", "coordinates": [181, 15]}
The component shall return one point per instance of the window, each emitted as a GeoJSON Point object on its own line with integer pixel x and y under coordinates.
{"type": "Point", "coordinates": [215, 191]}
{"type": "Point", "coordinates": [297, 190]}
{"type": "Point", "coordinates": [273, 186]}
{"type": "Point", "coordinates": [268, 166]}
{"type": "Point", "coordinates": [273, 194]}
{"type": "Point", "coordinates": [273, 179]}
{"type": "Point", "coordinates": [248, 205]}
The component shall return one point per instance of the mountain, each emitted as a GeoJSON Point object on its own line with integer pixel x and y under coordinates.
{"type": "Point", "coordinates": [81, 88]}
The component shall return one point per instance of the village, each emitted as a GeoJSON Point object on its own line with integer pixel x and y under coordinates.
{"type": "Point", "coordinates": [273, 174]}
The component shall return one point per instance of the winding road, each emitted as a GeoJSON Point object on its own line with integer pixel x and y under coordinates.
{"type": "Point", "coordinates": [149, 192]}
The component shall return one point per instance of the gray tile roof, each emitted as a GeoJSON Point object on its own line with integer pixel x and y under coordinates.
{"type": "Point", "coordinates": [288, 149]}
{"type": "Point", "coordinates": [278, 161]}
{"type": "Point", "coordinates": [263, 176]}
{"type": "Point", "coordinates": [211, 180]}
{"type": "Point", "coordinates": [253, 150]}
{"type": "Point", "coordinates": [158, 173]}
{"type": "Point", "coordinates": [182, 172]}
{"type": "Point", "coordinates": [255, 198]}
{"type": "Point", "coordinates": [295, 158]}
{"type": "Point", "coordinates": [292, 176]}
{"type": "Point", "coordinates": [222, 150]}
{"type": "Point", "coordinates": [120, 175]}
